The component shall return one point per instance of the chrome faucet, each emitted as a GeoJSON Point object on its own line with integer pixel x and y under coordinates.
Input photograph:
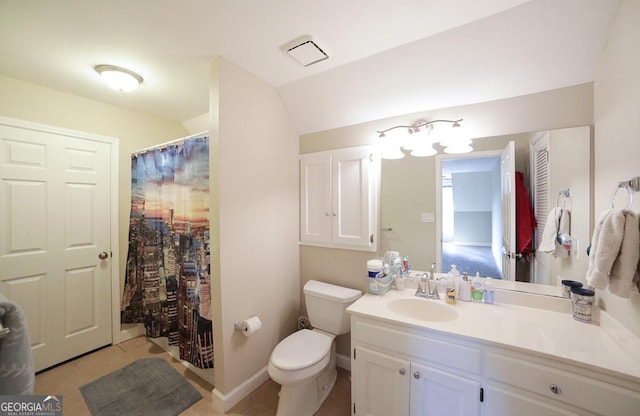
{"type": "Point", "coordinates": [419, 291]}
{"type": "Point", "coordinates": [427, 292]}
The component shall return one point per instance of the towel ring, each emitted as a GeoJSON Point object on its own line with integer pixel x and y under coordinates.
{"type": "Point", "coordinates": [629, 195]}
{"type": "Point", "coordinates": [565, 195]}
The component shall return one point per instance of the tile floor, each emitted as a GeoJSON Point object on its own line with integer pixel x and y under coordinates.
{"type": "Point", "coordinates": [67, 378]}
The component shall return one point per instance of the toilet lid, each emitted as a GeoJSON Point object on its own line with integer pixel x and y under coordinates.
{"type": "Point", "coordinates": [301, 349]}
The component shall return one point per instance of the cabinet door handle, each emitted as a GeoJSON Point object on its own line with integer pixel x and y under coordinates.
{"type": "Point", "coordinates": [416, 375]}
{"type": "Point", "coordinates": [554, 389]}
{"type": "Point", "coordinates": [402, 371]}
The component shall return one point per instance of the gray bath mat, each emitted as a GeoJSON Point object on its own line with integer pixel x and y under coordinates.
{"type": "Point", "coordinates": [149, 386]}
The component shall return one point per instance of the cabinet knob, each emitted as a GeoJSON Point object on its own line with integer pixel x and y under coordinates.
{"type": "Point", "coordinates": [326, 214]}
{"type": "Point", "coordinates": [333, 213]}
{"type": "Point", "coordinates": [416, 375]}
{"type": "Point", "coordinates": [402, 371]}
{"type": "Point", "coordinates": [554, 389]}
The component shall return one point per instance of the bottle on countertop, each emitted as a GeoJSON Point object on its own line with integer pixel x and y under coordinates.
{"type": "Point", "coordinates": [464, 292]}
{"type": "Point", "coordinates": [488, 291]}
{"type": "Point", "coordinates": [374, 266]}
{"type": "Point", "coordinates": [451, 291]}
{"type": "Point", "coordinates": [477, 288]}
{"type": "Point", "coordinates": [454, 275]}
{"type": "Point", "coordinates": [396, 267]}
{"type": "Point", "coordinates": [454, 271]}
{"type": "Point", "coordinates": [405, 266]}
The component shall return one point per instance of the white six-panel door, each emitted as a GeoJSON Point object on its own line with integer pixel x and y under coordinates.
{"type": "Point", "coordinates": [55, 238]}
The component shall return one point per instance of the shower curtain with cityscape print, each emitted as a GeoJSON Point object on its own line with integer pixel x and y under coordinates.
{"type": "Point", "coordinates": [167, 281]}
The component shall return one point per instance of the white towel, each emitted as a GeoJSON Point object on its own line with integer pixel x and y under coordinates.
{"type": "Point", "coordinates": [605, 245]}
{"type": "Point", "coordinates": [558, 222]}
{"type": "Point", "coordinates": [550, 233]}
{"type": "Point", "coordinates": [17, 374]}
{"type": "Point", "coordinates": [625, 266]}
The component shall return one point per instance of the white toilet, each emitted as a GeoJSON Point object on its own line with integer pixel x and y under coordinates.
{"type": "Point", "coordinates": [304, 363]}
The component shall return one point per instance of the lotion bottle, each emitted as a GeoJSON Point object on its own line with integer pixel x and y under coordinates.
{"type": "Point", "coordinates": [464, 293]}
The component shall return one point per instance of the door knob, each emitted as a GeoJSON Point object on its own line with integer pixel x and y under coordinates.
{"type": "Point", "coordinates": [103, 255]}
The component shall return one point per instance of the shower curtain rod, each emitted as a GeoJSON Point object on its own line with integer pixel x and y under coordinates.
{"type": "Point", "coordinates": [170, 142]}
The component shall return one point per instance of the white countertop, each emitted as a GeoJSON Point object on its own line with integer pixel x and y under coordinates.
{"type": "Point", "coordinates": [543, 331]}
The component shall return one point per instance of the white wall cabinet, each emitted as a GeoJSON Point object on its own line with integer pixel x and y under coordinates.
{"type": "Point", "coordinates": [339, 198]}
{"type": "Point", "coordinates": [400, 370]}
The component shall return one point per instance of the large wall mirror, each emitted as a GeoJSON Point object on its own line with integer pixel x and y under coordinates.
{"type": "Point", "coordinates": [451, 203]}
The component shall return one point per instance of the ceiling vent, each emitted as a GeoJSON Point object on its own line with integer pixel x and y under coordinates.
{"type": "Point", "coordinates": [305, 51]}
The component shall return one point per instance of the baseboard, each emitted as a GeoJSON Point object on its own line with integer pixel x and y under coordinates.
{"type": "Point", "coordinates": [129, 331]}
{"type": "Point", "coordinates": [343, 361]}
{"type": "Point", "coordinates": [223, 402]}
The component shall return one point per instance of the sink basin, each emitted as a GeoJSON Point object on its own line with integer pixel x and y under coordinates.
{"type": "Point", "coordinates": [423, 309]}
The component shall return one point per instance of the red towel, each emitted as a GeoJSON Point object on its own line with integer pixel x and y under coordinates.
{"type": "Point", "coordinates": [525, 218]}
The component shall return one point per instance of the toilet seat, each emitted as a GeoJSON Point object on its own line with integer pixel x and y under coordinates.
{"type": "Point", "coordinates": [301, 349]}
{"type": "Point", "coordinates": [300, 356]}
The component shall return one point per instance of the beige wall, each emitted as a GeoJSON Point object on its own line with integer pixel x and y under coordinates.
{"type": "Point", "coordinates": [570, 168]}
{"type": "Point", "coordinates": [33, 103]}
{"type": "Point", "coordinates": [616, 140]}
{"type": "Point", "coordinates": [257, 186]}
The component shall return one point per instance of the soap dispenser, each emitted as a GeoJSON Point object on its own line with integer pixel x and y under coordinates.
{"type": "Point", "coordinates": [477, 288]}
{"type": "Point", "coordinates": [454, 275]}
{"type": "Point", "coordinates": [454, 271]}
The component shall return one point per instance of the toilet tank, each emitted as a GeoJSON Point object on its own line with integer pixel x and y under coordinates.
{"type": "Point", "coordinates": [327, 304]}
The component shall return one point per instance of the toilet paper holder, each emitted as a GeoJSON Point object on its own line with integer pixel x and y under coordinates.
{"type": "Point", "coordinates": [237, 326]}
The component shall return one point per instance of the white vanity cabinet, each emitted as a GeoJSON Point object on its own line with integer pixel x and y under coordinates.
{"type": "Point", "coordinates": [400, 369]}
{"type": "Point", "coordinates": [338, 198]}
{"type": "Point", "coordinates": [531, 385]}
{"type": "Point", "coordinates": [381, 383]}
{"type": "Point", "coordinates": [401, 373]}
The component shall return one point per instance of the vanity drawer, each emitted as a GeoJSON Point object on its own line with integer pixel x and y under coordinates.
{"type": "Point", "coordinates": [458, 356]}
{"type": "Point", "coordinates": [574, 389]}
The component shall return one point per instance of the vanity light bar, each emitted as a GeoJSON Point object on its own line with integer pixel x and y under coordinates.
{"type": "Point", "coordinates": [417, 125]}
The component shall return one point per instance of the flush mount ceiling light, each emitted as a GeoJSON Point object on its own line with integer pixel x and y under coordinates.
{"type": "Point", "coordinates": [305, 51]}
{"type": "Point", "coordinates": [420, 137]}
{"type": "Point", "coordinates": [120, 79]}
